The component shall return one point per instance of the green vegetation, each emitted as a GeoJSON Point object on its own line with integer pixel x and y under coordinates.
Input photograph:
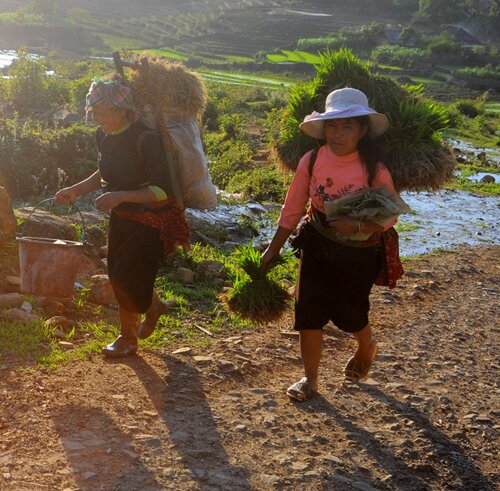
{"type": "Point", "coordinates": [201, 307]}
{"type": "Point", "coordinates": [398, 55]}
{"type": "Point", "coordinates": [119, 43]}
{"type": "Point", "coordinates": [169, 53]}
{"type": "Point", "coordinates": [35, 159]}
{"type": "Point", "coordinates": [293, 56]}
{"type": "Point", "coordinates": [31, 89]}
{"type": "Point", "coordinates": [406, 227]}
{"type": "Point", "coordinates": [483, 188]}
{"type": "Point", "coordinates": [254, 294]}
{"type": "Point", "coordinates": [488, 71]}
{"type": "Point", "coordinates": [359, 40]}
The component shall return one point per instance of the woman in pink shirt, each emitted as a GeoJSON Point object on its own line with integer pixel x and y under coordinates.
{"type": "Point", "coordinates": [335, 274]}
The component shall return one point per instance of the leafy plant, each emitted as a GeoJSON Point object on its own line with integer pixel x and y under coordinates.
{"type": "Point", "coordinates": [469, 108]}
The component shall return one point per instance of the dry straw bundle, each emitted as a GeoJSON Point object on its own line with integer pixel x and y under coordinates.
{"type": "Point", "coordinates": [181, 91]}
{"type": "Point", "coordinates": [413, 150]}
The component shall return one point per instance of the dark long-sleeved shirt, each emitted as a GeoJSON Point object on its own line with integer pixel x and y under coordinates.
{"type": "Point", "coordinates": [129, 161]}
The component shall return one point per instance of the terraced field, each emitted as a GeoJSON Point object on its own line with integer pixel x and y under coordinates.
{"type": "Point", "coordinates": [119, 9]}
{"type": "Point", "coordinates": [214, 28]}
{"type": "Point", "coordinates": [244, 32]}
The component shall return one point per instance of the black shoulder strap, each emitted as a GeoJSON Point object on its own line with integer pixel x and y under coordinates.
{"type": "Point", "coordinates": [312, 160]}
{"type": "Point", "coordinates": [140, 140]}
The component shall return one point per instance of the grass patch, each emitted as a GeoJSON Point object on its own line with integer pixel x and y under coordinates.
{"type": "Point", "coordinates": [246, 79]}
{"type": "Point", "coordinates": [425, 80]}
{"type": "Point", "coordinates": [32, 339]}
{"type": "Point", "coordinates": [392, 68]}
{"type": "Point", "coordinates": [199, 305]}
{"type": "Point", "coordinates": [169, 53]}
{"type": "Point", "coordinates": [36, 343]}
{"type": "Point", "coordinates": [287, 56]}
{"type": "Point", "coordinates": [406, 227]}
{"type": "Point", "coordinates": [493, 107]}
{"type": "Point", "coordinates": [482, 188]}
{"type": "Point", "coordinates": [121, 43]}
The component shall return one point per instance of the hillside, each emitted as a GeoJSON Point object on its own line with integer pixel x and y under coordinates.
{"type": "Point", "coordinates": [240, 28]}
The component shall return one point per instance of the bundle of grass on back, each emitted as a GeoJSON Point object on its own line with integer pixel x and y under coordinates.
{"type": "Point", "coordinates": [413, 149]}
{"type": "Point", "coordinates": [182, 92]}
{"type": "Point", "coordinates": [253, 294]}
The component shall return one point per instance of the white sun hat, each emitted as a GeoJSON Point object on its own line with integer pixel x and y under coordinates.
{"type": "Point", "coordinates": [344, 103]}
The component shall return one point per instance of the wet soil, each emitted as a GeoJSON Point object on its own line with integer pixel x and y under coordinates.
{"type": "Point", "coordinates": [217, 418]}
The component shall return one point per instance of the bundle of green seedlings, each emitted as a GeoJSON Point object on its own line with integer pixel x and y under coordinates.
{"type": "Point", "coordinates": [412, 147]}
{"type": "Point", "coordinates": [253, 294]}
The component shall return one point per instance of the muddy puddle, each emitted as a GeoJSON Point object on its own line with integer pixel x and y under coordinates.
{"type": "Point", "coordinates": [448, 219]}
{"type": "Point", "coordinates": [467, 148]}
{"type": "Point", "coordinates": [443, 220]}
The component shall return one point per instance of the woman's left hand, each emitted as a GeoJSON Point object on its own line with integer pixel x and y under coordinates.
{"type": "Point", "coordinates": [344, 225]}
{"type": "Point", "coordinates": [107, 201]}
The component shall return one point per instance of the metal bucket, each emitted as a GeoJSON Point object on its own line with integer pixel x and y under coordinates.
{"type": "Point", "coordinates": [48, 266]}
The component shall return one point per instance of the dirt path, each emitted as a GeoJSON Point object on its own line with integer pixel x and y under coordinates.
{"type": "Point", "coordinates": [217, 419]}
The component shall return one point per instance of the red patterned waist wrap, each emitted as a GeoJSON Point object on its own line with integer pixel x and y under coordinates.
{"type": "Point", "coordinates": [164, 216]}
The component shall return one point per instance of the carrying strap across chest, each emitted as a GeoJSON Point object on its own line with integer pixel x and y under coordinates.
{"type": "Point", "coordinates": [312, 161]}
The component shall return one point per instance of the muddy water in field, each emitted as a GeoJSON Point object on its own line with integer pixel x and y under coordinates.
{"type": "Point", "coordinates": [441, 220]}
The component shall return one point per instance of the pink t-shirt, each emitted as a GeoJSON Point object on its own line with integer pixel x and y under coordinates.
{"type": "Point", "coordinates": [332, 177]}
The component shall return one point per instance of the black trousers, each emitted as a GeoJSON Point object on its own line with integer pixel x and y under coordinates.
{"type": "Point", "coordinates": [134, 256]}
{"type": "Point", "coordinates": [334, 283]}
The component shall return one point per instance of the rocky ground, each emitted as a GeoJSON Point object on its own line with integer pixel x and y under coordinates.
{"type": "Point", "coordinates": [217, 418]}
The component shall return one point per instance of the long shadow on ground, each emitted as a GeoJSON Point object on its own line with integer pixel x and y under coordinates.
{"type": "Point", "coordinates": [86, 434]}
{"type": "Point", "coordinates": [180, 400]}
{"type": "Point", "coordinates": [460, 473]}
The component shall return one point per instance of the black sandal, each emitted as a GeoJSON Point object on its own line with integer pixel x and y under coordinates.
{"type": "Point", "coordinates": [301, 391]}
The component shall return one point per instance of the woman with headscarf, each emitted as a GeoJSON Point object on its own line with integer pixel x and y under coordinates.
{"type": "Point", "coordinates": [145, 225]}
{"type": "Point", "coordinates": [336, 273]}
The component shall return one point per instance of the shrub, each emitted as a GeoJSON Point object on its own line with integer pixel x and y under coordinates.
{"type": "Point", "coordinates": [358, 39]}
{"type": "Point", "coordinates": [35, 159]}
{"type": "Point", "coordinates": [398, 55]}
{"type": "Point", "coordinates": [409, 35]}
{"type": "Point", "coordinates": [443, 44]}
{"type": "Point", "coordinates": [486, 125]}
{"type": "Point", "coordinates": [488, 71]}
{"type": "Point", "coordinates": [232, 156]}
{"type": "Point", "coordinates": [469, 108]}
{"type": "Point", "coordinates": [261, 184]}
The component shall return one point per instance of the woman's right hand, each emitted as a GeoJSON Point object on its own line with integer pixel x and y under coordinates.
{"type": "Point", "coordinates": [266, 259]}
{"type": "Point", "coordinates": [65, 196]}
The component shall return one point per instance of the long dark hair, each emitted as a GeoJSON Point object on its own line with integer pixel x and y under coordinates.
{"type": "Point", "coordinates": [369, 150]}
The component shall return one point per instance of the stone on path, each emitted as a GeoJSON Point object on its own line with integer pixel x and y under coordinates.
{"type": "Point", "coordinates": [184, 275]}
{"type": "Point", "coordinates": [202, 360]}
{"type": "Point", "coordinates": [101, 290]}
{"type": "Point", "coordinates": [61, 322]}
{"type": "Point", "coordinates": [18, 315]}
{"type": "Point", "coordinates": [11, 300]}
{"type": "Point", "coordinates": [183, 351]}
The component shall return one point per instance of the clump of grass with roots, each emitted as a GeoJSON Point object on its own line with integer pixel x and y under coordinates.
{"type": "Point", "coordinates": [254, 294]}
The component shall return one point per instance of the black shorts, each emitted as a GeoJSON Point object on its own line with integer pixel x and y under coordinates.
{"type": "Point", "coordinates": [135, 252]}
{"type": "Point", "coordinates": [336, 288]}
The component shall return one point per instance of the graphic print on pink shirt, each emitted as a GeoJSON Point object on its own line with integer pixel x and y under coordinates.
{"type": "Point", "coordinates": [333, 176]}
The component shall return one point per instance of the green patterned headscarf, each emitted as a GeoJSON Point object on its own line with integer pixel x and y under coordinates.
{"type": "Point", "coordinates": [112, 94]}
